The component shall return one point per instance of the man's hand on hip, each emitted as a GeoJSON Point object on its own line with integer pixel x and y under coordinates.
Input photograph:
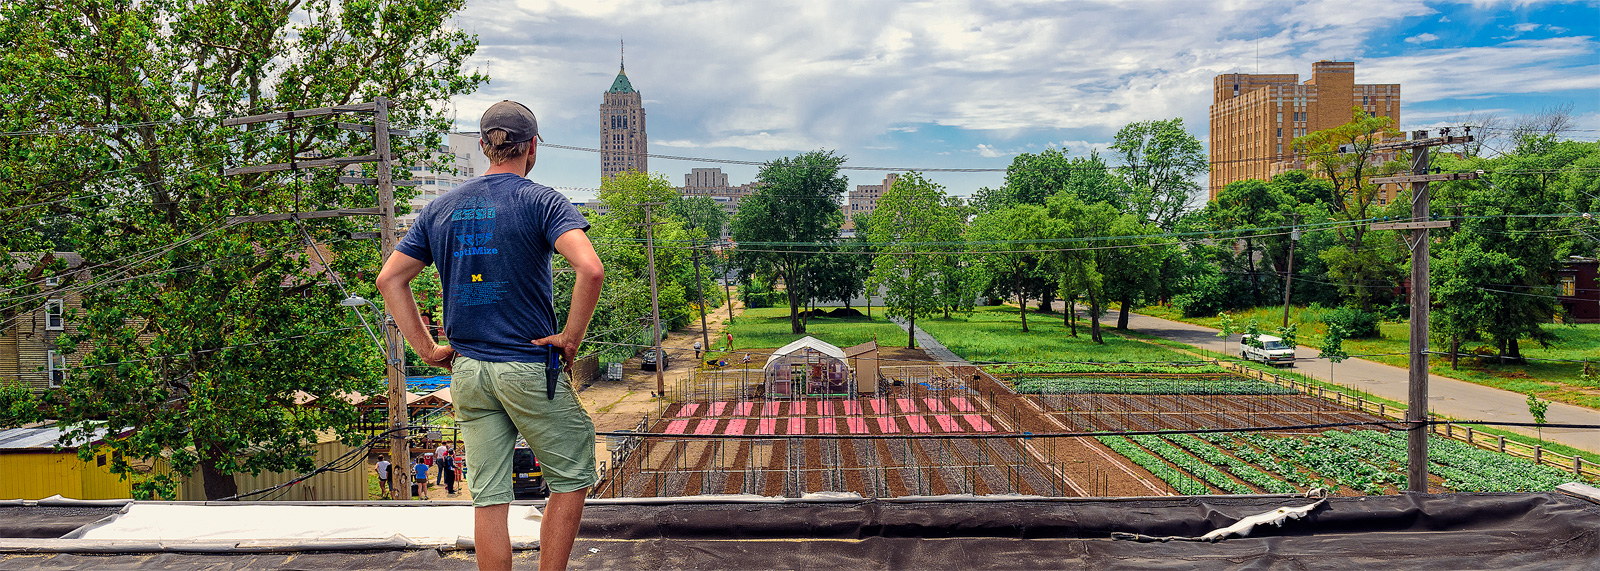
{"type": "Point", "coordinates": [440, 356]}
{"type": "Point", "coordinates": [567, 346]}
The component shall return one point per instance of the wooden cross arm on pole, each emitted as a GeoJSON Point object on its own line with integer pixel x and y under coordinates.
{"type": "Point", "coordinates": [369, 129]}
{"type": "Point", "coordinates": [264, 117]}
{"type": "Point", "coordinates": [302, 215]}
{"type": "Point", "coordinates": [373, 181]}
{"type": "Point", "coordinates": [1427, 142]}
{"type": "Point", "coordinates": [1436, 177]}
{"type": "Point", "coordinates": [1410, 225]}
{"type": "Point", "coordinates": [311, 164]}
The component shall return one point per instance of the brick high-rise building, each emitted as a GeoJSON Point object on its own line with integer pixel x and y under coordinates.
{"type": "Point", "coordinates": [713, 183]}
{"type": "Point", "coordinates": [1256, 117]}
{"type": "Point", "coordinates": [623, 145]}
{"type": "Point", "coordinates": [864, 199]}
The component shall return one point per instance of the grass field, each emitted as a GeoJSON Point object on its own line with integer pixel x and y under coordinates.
{"type": "Point", "coordinates": [1561, 382]}
{"type": "Point", "coordinates": [768, 327]}
{"type": "Point", "coordinates": [994, 334]}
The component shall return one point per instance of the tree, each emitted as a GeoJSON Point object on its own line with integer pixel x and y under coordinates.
{"type": "Point", "coordinates": [1080, 266]}
{"type": "Point", "coordinates": [913, 232]}
{"type": "Point", "coordinates": [199, 340]}
{"type": "Point", "coordinates": [1346, 156]}
{"type": "Point", "coordinates": [1160, 162]}
{"type": "Point", "coordinates": [1007, 245]}
{"type": "Point", "coordinates": [795, 205]}
{"type": "Point", "coordinates": [1496, 274]}
{"type": "Point", "coordinates": [1239, 209]}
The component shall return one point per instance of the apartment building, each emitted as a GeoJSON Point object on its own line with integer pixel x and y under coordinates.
{"type": "Point", "coordinates": [1256, 117]}
{"type": "Point", "coordinates": [28, 350]}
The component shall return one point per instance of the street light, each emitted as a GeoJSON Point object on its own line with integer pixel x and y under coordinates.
{"type": "Point", "coordinates": [355, 302]}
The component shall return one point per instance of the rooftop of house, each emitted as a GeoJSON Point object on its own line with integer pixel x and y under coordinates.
{"type": "Point", "coordinates": [1555, 530]}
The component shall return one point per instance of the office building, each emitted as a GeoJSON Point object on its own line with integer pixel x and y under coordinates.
{"type": "Point", "coordinates": [623, 144]}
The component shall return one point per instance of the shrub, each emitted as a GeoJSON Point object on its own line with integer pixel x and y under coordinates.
{"type": "Point", "coordinates": [1356, 323]}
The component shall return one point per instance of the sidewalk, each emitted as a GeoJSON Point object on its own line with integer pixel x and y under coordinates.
{"type": "Point", "coordinates": [1450, 397]}
{"type": "Point", "coordinates": [932, 346]}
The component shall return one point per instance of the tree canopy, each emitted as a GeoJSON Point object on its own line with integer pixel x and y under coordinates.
{"type": "Point", "coordinates": [199, 341]}
{"type": "Point", "coordinates": [796, 206]}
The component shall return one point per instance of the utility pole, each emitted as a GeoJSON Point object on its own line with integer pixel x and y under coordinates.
{"type": "Point", "coordinates": [705, 334]}
{"type": "Point", "coordinates": [1417, 409]}
{"type": "Point", "coordinates": [394, 371]}
{"type": "Point", "coordinates": [1288, 276]}
{"type": "Point", "coordinates": [727, 289]}
{"type": "Point", "coordinates": [394, 351]}
{"type": "Point", "coordinates": [655, 298]}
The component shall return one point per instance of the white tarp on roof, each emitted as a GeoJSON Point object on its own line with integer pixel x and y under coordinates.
{"type": "Point", "coordinates": [806, 342]}
{"type": "Point", "coordinates": [443, 524]}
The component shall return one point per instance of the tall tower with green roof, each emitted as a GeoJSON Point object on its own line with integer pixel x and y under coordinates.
{"type": "Point", "coordinates": [623, 144]}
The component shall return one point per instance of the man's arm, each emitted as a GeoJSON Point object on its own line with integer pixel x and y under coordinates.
{"type": "Point", "coordinates": [575, 247]}
{"type": "Point", "coordinates": [394, 282]}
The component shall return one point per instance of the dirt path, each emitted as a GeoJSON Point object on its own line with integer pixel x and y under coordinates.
{"type": "Point", "coordinates": [621, 405]}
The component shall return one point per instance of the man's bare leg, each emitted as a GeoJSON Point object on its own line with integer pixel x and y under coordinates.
{"type": "Point", "coordinates": [490, 537]}
{"type": "Point", "coordinates": [562, 514]}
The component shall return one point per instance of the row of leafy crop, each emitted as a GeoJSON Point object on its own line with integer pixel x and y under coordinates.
{"type": "Point", "coordinates": [1051, 368]}
{"type": "Point", "coordinates": [1464, 468]}
{"type": "Point", "coordinates": [1178, 480]}
{"type": "Point", "coordinates": [1145, 386]}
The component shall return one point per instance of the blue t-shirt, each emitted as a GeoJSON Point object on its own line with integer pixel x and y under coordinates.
{"type": "Point", "coordinates": [422, 471]}
{"type": "Point", "coordinates": [491, 239]}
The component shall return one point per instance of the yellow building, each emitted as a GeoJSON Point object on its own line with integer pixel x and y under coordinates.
{"type": "Point", "coordinates": [31, 468]}
{"type": "Point", "coordinates": [1256, 117]}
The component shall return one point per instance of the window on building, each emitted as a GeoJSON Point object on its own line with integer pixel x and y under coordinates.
{"type": "Point", "coordinates": [1280, 132]}
{"type": "Point", "coordinates": [1569, 286]}
{"type": "Point", "coordinates": [57, 367]}
{"type": "Point", "coordinates": [1280, 117]}
{"type": "Point", "coordinates": [1365, 100]}
{"type": "Point", "coordinates": [54, 315]}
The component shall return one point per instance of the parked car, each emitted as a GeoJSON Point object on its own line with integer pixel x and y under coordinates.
{"type": "Point", "coordinates": [1273, 351]}
{"type": "Point", "coordinates": [649, 361]}
{"type": "Point", "coordinates": [527, 476]}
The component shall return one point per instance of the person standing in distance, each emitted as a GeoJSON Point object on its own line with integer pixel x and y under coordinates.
{"type": "Point", "coordinates": [491, 239]}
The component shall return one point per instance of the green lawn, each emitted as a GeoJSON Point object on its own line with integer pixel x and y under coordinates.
{"type": "Point", "coordinates": [1560, 382]}
{"type": "Point", "coordinates": [994, 334]}
{"type": "Point", "coordinates": [768, 328]}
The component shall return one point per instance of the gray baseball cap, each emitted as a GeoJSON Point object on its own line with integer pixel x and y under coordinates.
{"type": "Point", "coordinates": [514, 118]}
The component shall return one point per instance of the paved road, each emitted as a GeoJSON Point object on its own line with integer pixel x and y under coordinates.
{"type": "Point", "coordinates": [1451, 397]}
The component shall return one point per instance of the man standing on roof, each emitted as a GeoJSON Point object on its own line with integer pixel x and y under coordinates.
{"type": "Point", "coordinates": [491, 239]}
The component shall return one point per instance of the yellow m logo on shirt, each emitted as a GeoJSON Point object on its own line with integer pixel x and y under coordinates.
{"type": "Point", "coordinates": [477, 277]}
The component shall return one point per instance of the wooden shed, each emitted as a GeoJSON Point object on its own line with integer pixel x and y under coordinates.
{"type": "Point", "coordinates": [864, 361]}
{"type": "Point", "coordinates": [32, 467]}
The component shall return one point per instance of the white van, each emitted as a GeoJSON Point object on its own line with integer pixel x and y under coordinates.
{"type": "Point", "coordinates": [1273, 351]}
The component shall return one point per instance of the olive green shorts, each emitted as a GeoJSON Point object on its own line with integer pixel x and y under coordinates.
{"type": "Point", "coordinates": [494, 402]}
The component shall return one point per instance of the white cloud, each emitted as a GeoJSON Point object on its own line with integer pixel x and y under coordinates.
{"type": "Point", "coordinates": [1519, 66]}
{"type": "Point", "coordinates": [789, 75]}
{"type": "Point", "coordinates": [1525, 27]}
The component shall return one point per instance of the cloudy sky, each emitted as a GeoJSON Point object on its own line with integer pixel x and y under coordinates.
{"type": "Point", "coordinates": [971, 84]}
